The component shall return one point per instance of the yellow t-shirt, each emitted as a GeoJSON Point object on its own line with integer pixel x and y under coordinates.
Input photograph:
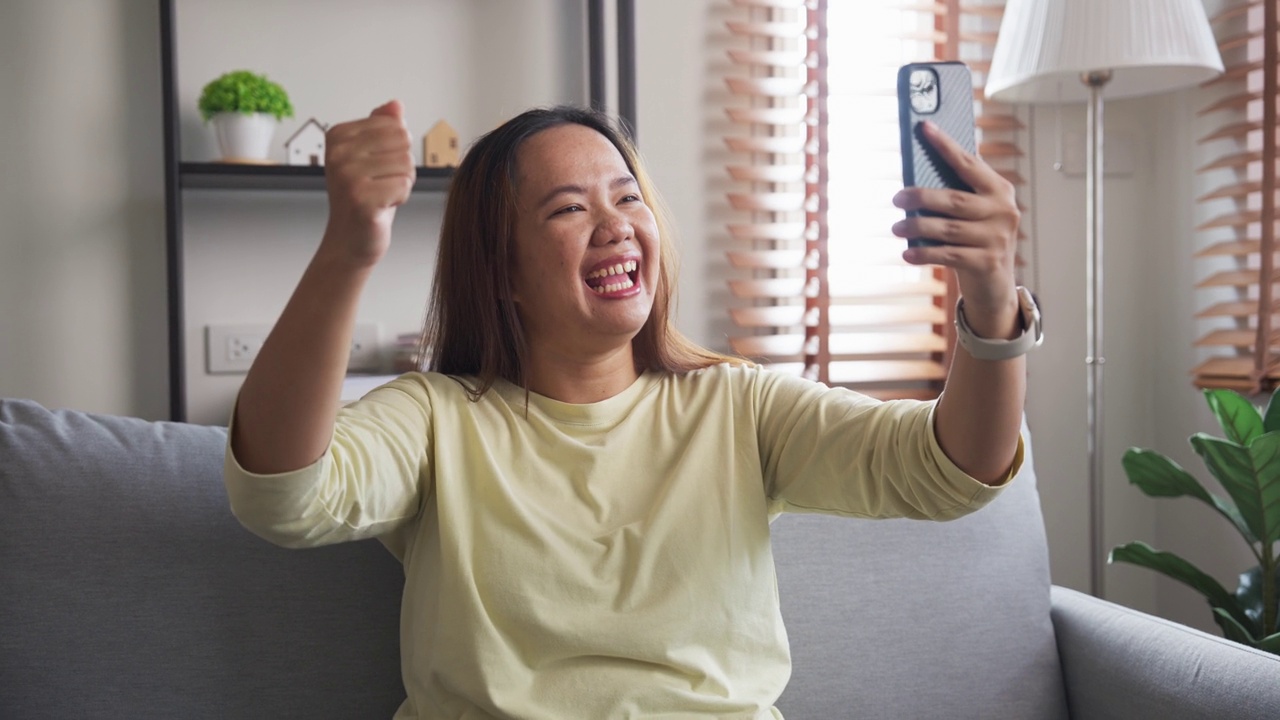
{"type": "Point", "coordinates": [609, 560]}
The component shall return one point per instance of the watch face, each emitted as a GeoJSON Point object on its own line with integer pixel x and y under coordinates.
{"type": "Point", "coordinates": [1031, 313]}
{"type": "Point", "coordinates": [1027, 301]}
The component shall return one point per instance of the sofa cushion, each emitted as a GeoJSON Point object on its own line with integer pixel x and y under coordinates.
{"type": "Point", "coordinates": [912, 619]}
{"type": "Point", "coordinates": [130, 591]}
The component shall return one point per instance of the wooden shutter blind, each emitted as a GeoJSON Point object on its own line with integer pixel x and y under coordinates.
{"type": "Point", "coordinates": [819, 283]}
{"type": "Point", "coordinates": [1238, 183]}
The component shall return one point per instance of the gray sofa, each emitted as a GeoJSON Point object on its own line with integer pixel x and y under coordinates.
{"type": "Point", "coordinates": [127, 590]}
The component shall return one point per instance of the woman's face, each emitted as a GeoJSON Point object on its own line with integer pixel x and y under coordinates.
{"type": "Point", "coordinates": [586, 244]}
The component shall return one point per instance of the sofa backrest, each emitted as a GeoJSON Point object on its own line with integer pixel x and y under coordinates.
{"type": "Point", "coordinates": [911, 619]}
{"type": "Point", "coordinates": [128, 590]}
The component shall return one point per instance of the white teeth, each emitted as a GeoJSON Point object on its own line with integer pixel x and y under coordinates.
{"type": "Point", "coordinates": [614, 287]}
{"type": "Point", "coordinates": [617, 269]}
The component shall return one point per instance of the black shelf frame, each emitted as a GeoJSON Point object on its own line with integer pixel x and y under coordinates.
{"type": "Point", "coordinates": [181, 176]}
{"type": "Point", "coordinates": [231, 176]}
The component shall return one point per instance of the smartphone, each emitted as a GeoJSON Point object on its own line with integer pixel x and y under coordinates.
{"type": "Point", "coordinates": [940, 92]}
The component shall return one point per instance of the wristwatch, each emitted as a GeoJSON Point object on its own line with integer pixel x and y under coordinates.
{"type": "Point", "coordinates": [987, 349]}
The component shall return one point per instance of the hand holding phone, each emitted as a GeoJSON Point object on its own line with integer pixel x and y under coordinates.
{"type": "Point", "coordinates": [942, 93]}
{"type": "Point", "coordinates": [952, 195]}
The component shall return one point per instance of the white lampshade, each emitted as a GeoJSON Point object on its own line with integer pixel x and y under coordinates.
{"type": "Point", "coordinates": [1151, 46]}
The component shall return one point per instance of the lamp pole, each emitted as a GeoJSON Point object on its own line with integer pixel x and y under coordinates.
{"type": "Point", "coordinates": [1094, 359]}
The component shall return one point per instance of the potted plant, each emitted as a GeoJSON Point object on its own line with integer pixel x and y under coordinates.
{"type": "Point", "coordinates": [245, 109]}
{"type": "Point", "coordinates": [1247, 464]}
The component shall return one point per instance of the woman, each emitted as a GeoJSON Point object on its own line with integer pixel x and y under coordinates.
{"type": "Point", "coordinates": [581, 497]}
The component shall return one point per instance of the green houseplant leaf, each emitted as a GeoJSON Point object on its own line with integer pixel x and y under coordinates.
{"type": "Point", "coordinates": [1271, 418]}
{"type": "Point", "coordinates": [1251, 476]}
{"type": "Point", "coordinates": [1169, 564]}
{"type": "Point", "coordinates": [1270, 643]}
{"type": "Point", "coordinates": [1239, 419]}
{"type": "Point", "coordinates": [244, 92]}
{"type": "Point", "coordinates": [1231, 629]}
{"type": "Point", "coordinates": [1158, 476]}
{"type": "Point", "coordinates": [1247, 465]}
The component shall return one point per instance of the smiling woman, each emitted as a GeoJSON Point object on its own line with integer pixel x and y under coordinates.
{"type": "Point", "coordinates": [580, 496]}
{"type": "Point", "coordinates": [575, 201]}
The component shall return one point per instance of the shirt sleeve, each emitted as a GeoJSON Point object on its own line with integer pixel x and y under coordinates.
{"type": "Point", "coordinates": [831, 450]}
{"type": "Point", "coordinates": [370, 481]}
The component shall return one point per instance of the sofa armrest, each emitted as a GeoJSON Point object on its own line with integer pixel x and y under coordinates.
{"type": "Point", "coordinates": [1120, 663]}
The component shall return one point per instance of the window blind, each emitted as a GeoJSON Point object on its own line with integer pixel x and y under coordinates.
{"type": "Point", "coordinates": [820, 287]}
{"type": "Point", "coordinates": [1238, 186]}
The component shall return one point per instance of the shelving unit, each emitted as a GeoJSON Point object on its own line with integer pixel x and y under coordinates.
{"type": "Point", "coordinates": [226, 176]}
{"type": "Point", "coordinates": [182, 176]}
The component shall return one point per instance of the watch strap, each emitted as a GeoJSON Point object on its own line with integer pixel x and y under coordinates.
{"type": "Point", "coordinates": [989, 349]}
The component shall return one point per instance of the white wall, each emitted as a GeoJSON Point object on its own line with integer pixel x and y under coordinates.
{"type": "Point", "coordinates": [1057, 406]}
{"type": "Point", "coordinates": [81, 243]}
{"type": "Point", "coordinates": [1184, 526]}
{"type": "Point", "coordinates": [82, 288]}
{"type": "Point", "coordinates": [1149, 330]}
{"type": "Point", "coordinates": [472, 64]}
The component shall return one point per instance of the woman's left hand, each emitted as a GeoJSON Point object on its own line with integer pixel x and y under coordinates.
{"type": "Point", "coordinates": [980, 232]}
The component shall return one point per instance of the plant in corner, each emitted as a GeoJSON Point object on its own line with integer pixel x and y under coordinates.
{"type": "Point", "coordinates": [1247, 464]}
{"type": "Point", "coordinates": [245, 109]}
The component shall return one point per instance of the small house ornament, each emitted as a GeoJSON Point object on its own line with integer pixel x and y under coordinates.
{"type": "Point", "coordinates": [440, 146]}
{"type": "Point", "coordinates": [306, 146]}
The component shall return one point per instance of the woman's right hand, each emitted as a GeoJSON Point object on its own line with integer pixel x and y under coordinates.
{"type": "Point", "coordinates": [369, 172]}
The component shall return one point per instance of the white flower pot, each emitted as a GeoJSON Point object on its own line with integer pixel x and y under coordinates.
{"type": "Point", "coordinates": [244, 138]}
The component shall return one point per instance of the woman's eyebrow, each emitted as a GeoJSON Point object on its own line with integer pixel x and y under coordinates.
{"type": "Point", "coordinates": [620, 181]}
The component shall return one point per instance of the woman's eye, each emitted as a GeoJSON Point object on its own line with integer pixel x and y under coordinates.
{"type": "Point", "coordinates": [631, 198]}
{"type": "Point", "coordinates": [568, 209]}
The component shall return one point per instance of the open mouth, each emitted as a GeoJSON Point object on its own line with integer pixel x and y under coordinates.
{"type": "Point", "coordinates": [616, 278]}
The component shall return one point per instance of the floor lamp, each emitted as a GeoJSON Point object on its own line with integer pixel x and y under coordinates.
{"type": "Point", "coordinates": [1052, 51]}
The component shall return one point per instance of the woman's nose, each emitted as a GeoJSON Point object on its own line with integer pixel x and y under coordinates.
{"type": "Point", "coordinates": [611, 228]}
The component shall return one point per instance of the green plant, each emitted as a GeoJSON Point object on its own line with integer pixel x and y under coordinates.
{"type": "Point", "coordinates": [1247, 464]}
{"type": "Point", "coordinates": [245, 92]}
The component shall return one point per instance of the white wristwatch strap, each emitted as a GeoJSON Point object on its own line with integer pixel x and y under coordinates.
{"type": "Point", "coordinates": [987, 349]}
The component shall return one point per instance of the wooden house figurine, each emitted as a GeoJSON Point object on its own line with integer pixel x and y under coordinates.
{"type": "Point", "coordinates": [306, 146]}
{"type": "Point", "coordinates": [440, 146]}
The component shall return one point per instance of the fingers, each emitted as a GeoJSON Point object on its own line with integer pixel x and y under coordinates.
{"type": "Point", "coordinates": [392, 109]}
{"type": "Point", "coordinates": [344, 143]}
{"type": "Point", "coordinates": [369, 163]}
{"type": "Point", "coordinates": [981, 262]}
{"type": "Point", "coordinates": [375, 167]}
{"type": "Point", "coordinates": [952, 203]}
{"type": "Point", "coordinates": [372, 134]}
{"type": "Point", "coordinates": [941, 229]}
{"type": "Point", "coordinates": [971, 168]}
{"type": "Point", "coordinates": [383, 192]}
{"type": "Point", "coordinates": [986, 218]}
{"type": "Point", "coordinates": [955, 216]}
{"type": "Point", "coordinates": [372, 176]}
{"type": "Point", "coordinates": [979, 229]}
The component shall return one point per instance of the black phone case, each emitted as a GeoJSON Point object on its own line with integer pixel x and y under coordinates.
{"type": "Point", "coordinates": [922, 165]}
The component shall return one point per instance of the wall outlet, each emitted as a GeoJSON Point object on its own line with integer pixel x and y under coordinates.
{"type": "Point", "coordinates": [230, 349]}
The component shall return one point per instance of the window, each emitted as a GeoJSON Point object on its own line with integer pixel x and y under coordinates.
{"type": "Point", "coordinates": [821, 287]}
{"type": "Point", "coordinates": [1237, 193]}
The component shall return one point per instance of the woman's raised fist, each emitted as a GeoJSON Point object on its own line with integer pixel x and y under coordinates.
{"type": "Point", "coordinates": [369, 172]}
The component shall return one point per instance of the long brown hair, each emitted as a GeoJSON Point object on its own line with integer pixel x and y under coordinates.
{"type": "Point", "coordinates": [472, 326]}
